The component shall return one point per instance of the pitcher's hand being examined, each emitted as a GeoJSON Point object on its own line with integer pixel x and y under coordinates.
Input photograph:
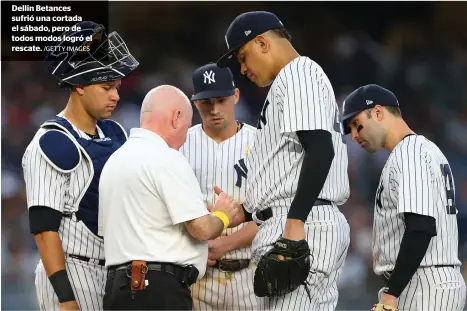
{"type": "Point", "coordinates": [239, 216]}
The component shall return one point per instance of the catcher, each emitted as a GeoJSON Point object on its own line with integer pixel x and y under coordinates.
{"type": "Point", "coordinates": [296, 169]}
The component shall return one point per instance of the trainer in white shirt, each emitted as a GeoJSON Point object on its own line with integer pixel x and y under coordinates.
{"type": "Point", "coordinates": [152, 215]}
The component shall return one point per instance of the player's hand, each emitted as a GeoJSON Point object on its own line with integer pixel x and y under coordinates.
{"type": "Point", "coordinates": [211, 262]}
{"type": "Point", "coordinates": [228, 205]}
{"type": "Point", "coordinates": [69, 305]}
{"type": "Point", "coordinates": [224, 203]}
{"type": "Point", "coordinates": [216, 249]}
{"type": "Point", "coordinates": [239, 217]}
{"type": "Point", "coordinates": [383, 307]}
{"type": "Point", "coordinates": [387, 302]}
{"type": "Point", "coordinates": [294, 230]}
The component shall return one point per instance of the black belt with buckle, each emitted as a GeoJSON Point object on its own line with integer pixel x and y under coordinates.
{"type": "Point", "coordinates": [100, 262]}
{"type": "Point", "coordinates": [267, 213]}
{"type": "Point", "coordinates": [187, 275]}
{"type": "Point", "coordinates": [231, 265]}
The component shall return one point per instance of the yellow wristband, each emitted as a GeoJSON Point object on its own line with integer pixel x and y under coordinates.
{"type": "Point", "coordinates": [223, 217]}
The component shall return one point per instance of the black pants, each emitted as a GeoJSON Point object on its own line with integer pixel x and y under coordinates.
{"type": "Point", "coordinates": [164, 292]}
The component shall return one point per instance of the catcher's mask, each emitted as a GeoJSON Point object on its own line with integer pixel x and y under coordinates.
{"type": "Point", "coordinates": [76, 61]}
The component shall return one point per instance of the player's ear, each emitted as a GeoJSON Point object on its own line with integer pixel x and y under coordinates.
{"type": "Point", "coordinates": [262, 42]}
{"type": "Point", "coordinates": [79, 90]}
{"type": "Point", "coordinates": [379, 112]}
{"type": "Point", "coordinates": [237, 95]}
{"type": "Point", "coordinates": [196, 104]}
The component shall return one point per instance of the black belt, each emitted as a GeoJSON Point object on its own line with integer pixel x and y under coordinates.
{"type": "Point", "coordinates": [187, 275]}
{"type": "Point", "coordinates": [228, 265]}
{"type": "Point", "coordinates": [70, 215]}
{"type": "Point", "coordinates": [387, 274]}
{"type": "Point", "coordinates": [267, 213]}
{"type": "Point", "coordinates": [100, 262]}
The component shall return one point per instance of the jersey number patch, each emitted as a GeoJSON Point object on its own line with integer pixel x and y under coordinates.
{"type": "Point", "coordinates": [450, 195]}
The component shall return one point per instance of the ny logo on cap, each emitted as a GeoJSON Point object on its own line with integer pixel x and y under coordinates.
{"type": "Point", "coordinates": [369, 102]}
{"type": "Point", "coordinates": [209, 77]}
{"type": "Point", "coordinates": [247, 32]}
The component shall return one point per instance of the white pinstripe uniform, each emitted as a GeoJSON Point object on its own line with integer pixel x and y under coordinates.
{"type": "Point", "coordinates": [417, 179]}
{"type": "Point", "coordinates": [63, 191]}
{"type": "Point", "coordinates": [300, 98]}
{"type": "Point", "coordinates": [216, 164]}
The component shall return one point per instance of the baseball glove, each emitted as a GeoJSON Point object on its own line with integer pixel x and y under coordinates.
{"type": "Point", "coordinates": [383, 307]}
{"type": "Point", "coordinates": [274, 277]}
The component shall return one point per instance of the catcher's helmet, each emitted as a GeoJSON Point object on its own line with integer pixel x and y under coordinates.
{"type": "Point", "coordinates": [75, 61]}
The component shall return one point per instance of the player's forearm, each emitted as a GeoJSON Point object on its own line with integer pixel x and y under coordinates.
{"type": "Point", "coordinates": [241, 217]}
{"type": "Point", "coordinates": [44, 223]}
{"type": "Point", "coordinates": [241, 238]}
{"type": "Point", "coordinates": [412, 250]}
{"type": "Point", "coordinates": [53, 259]}
{"type": "Point", "coordinates": [319, 153]}
{"type": "Point", "coordinates": [51, 251]}
{"type": "Point", "coordinates": [418, 233]}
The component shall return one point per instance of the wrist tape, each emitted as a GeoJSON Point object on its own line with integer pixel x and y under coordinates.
{"type": "Point", "coordinates": [62, 287]}
{"type": "Point", "coordinates": [223, 217]}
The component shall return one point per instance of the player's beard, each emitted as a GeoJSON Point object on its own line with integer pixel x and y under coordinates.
{"type": "Point", "coordinates": [376, 140]}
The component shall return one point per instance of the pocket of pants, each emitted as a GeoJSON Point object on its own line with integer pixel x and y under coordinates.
{"type": "Point", "coordinates": [321, 226]}
{"type": "Point", "coordinates": [448, 285]}
{"type": "Point", "coordinates": [109, 283]}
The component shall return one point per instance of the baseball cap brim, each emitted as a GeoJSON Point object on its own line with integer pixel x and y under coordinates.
{"type": "Point", "coordinates": [228, 58]}
{"type": "Point", "coordinates": [213, 94]}
{"type": "Point", "coordinates": [346, 119]}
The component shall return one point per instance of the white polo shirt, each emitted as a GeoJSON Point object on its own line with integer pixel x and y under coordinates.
{"type": "Point", "coordinates": [146, 193]}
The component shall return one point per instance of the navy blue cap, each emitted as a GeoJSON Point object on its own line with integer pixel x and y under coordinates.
{"type": "Point", "coordinates": [245, 27]}
{"type": "Point", "coordinates": [365, 97]}
{"type": "Point", "coordinates": [210, 81]}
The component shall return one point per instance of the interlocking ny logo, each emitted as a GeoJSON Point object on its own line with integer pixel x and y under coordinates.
{"type": "Point", "coordinates": [242, 172]}
{"type": "Point", "coordinates": [209, 77]}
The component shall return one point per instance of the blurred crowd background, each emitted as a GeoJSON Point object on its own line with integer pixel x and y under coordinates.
{"type": "Point", "coordinates": [416, 49]}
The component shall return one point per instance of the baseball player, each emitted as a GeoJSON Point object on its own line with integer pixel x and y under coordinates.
{"type": "Point", "coordinates": [297, 169]}
{"type": "Point", "coordinates": [62, 166]}
{"type": "Point", "coordinates": [415, 236]}
{"type": "Point", "coordinates": [213, 149]}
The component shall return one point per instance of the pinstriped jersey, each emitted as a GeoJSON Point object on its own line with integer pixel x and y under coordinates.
{"type": "Point", "coordinates": [300, 98]}
{"type": "Point", "coordinates": [63, 192]}
{"type": "Point", "coordinates": [416, 179]}
{"type": "Point", "coordinates": [216, 164]}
